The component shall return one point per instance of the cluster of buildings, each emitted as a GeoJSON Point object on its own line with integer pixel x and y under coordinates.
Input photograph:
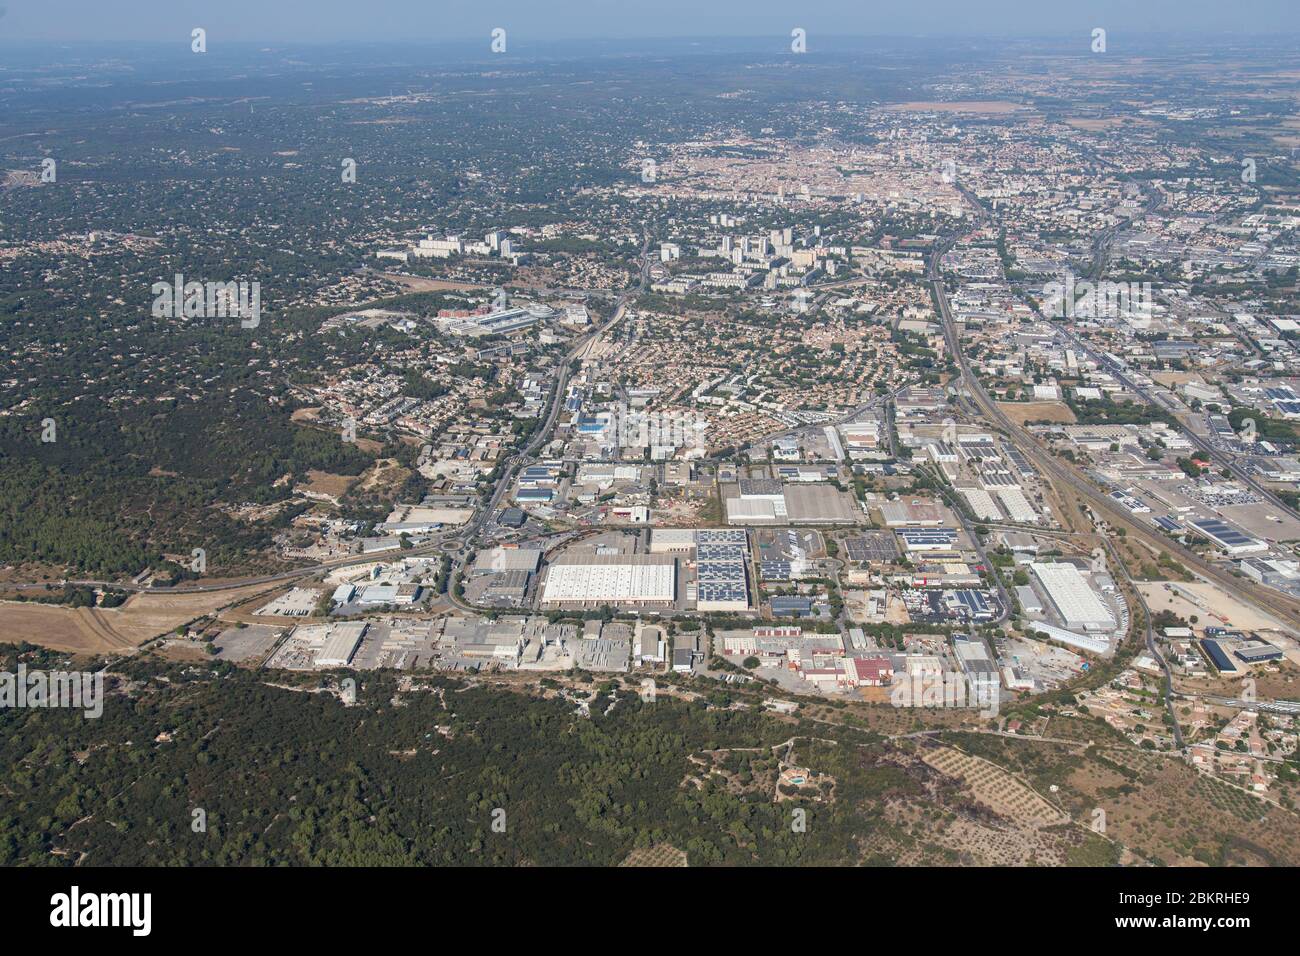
{"type": "Point", "coordinates": [494, 243]}
{"type": "Point", "coordinates": [774, 501]}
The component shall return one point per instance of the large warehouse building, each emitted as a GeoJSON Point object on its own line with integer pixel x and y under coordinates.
{"type": "Point", "coordinates": [1230, 539]}
{"type": "Point", "coordinates": [341, 643]}
{"type": "Point", "coordinates": [767, 502]}
{"type": "Point", "coordinates": [1072, 598]}
{"type": "Point", "coordinates": [721, 568]}
{"type": "Point", "coordinates": [672, 540]}
{"type": "Point", "coordinates": [592, 579]}
{"type": "Point", "coordinates": [721, 562]}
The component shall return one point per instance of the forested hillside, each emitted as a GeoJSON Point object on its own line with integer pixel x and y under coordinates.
{"type": "Point", "coordinates": [287, 777]}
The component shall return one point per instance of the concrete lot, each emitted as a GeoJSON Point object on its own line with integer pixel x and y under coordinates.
{"type": "Point", "coordinates": [240, 644]}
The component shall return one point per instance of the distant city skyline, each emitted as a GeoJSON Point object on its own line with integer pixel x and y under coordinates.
{"type": "Point", "coordinates": [333, 21]}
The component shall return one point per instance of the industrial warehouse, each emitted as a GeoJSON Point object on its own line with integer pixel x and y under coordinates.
{"type": "Point", "coordinates": [622, 579]}
{"type": "Point", "coordinates": [1072, 598]}
{"type": "Point", "coordinates": [760, 501]}
{"type": "Point", "coordinates": [721, 570]}
{"type": "Point", "coordinates": [714, 565]}
{"type": "Point", "coordinates": [791, 436]}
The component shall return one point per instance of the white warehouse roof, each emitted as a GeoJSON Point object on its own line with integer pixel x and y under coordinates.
{"type": "Point", "coordinates": [981, 502]}
{"type": "Point", "coordinates": [341, 644]}
{"type": "Point", "coordinates": [616, 578]}
{"type": "Point", "coordinates": [1082, 641]}
{"type": "Point", "coordinates": [1071, 596]}
{"type": "Point", "coordinates": [671, 539]}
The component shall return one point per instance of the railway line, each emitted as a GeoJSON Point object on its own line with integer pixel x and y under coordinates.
{"type": "Point", "coordinates": [1068, 482]}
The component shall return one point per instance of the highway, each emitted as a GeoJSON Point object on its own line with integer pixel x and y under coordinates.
{"type": "Point", "coordinates": [1100, 253]}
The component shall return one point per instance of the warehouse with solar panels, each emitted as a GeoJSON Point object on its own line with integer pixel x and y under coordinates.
{"type": "Point", "coordinates": [1228, 538]}
{"type": "Point", "coordinates": [928, 539]}
{"type": "Point", "coordinates": [722, 577]}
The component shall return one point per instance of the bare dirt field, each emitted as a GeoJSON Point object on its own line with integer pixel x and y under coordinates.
{"type": "Point", "coordinates": [386, 474]}
{"type": "Point", "coordinates": [1173, 379]}
{"type": "Point", "coordinates": [110, 630]}
{"type": "Point", "coordinates": [31, 571]}
{"type": "Point", "coordinates": [1271, 683]}
{"type": "Point", "coordinates": [1021, 412]}
{"type": "Point", "coordinates": [1108, 122]}
{"type": "Point", "coordinates": [417, 284]}
{"type": "Point", "coordinates": [1207, 603]}
{"type": "Point", "coordinates": [324, 483]}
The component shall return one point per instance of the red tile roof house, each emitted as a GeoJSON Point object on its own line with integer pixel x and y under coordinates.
{"type": "Point", "coordinates": [873, 671]}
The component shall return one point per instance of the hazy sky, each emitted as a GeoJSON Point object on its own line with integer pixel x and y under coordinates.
{"type": "Point", "coordinates": [424, 20]}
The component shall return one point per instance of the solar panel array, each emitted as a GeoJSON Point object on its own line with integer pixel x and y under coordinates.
{"type": "Point", "coordinates": [720, 568]}
{"type": "Point", "coordinates": [1017, 458]}
{"type": "Point", "coordinates": [995, 476]}
{"type": "Point", "coordinates": [774, 570]}
{"type": "Point", "coordinates": [1225, 534]}
{"type": "Point", "coordinates": [975, 602]}
{"type": "Point", "coordinates": [722, 536]}
{"type": "Point", "coordinates": [720, 552]}
{"type": "Point", "coordinates": [923, 536]}
{"type": "Point", "coordinates": [875, 547]}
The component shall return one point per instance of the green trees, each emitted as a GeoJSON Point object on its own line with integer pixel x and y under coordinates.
{"type": "Point", "coordinates": [294, 778]}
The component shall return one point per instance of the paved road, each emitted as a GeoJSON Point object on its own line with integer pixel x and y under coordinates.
{"type": "Point", "coordinates": [1152, 649]}
{"type": "Point", "coordinates": [1212, 452]}
{"type": "Point", "coordinates": [1045, 464]}
{"type": "Point", "coordinates": [1101, 504]}
{"type": "Point", "coordinates": [1101, 253]}
{"type": "Point", "coordinates": [542, 434]}
{"type": "Point", "coordinates": [969, 527]}
{"type": "Point", "coordinates": [439, 542]}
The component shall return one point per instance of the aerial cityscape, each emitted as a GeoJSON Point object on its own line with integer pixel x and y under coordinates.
{"type": "Point", "coordinates": [785, 449]}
